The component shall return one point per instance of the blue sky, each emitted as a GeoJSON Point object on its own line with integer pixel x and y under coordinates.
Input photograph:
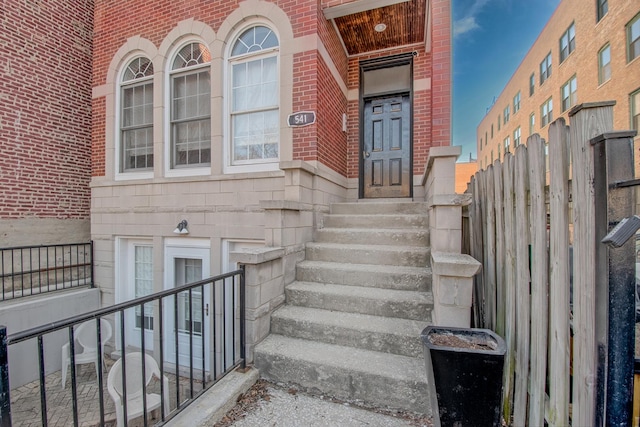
{"type": "Point", "coordinates": [490, 39]}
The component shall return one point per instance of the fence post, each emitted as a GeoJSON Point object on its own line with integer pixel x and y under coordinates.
{"type": "Point", "coordinates": [615, 287]}
{"type": "Point", "coordinates": [587, 121]}
{"type": "Point", "coordinates": [5, 398]}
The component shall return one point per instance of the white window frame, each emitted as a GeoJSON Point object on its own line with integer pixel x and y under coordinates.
{"type": "Point", "coordinates": [634, 112]}
{"type": "Point", "coordinates": [129, 175]}
{"type": "Point", "coordinates": [628, 41]}
{"type": "Point", "coordinates": [517, 135]}
{"type": "Point", "coordinates": [572, 98]}
{"type": "Point", "coordinates": [567, 42]}
{"type": "Point", "coordinates": [602, 66]}
{"type": "Point", "coordinates": [516, 102]}
{"type": "Point", "coordinates": [264, 165]}
{"type": "Point", "coordinates": [546, 117]}
{"type": "Point", "coordinates": [545, 68]}
{"type": "Point", "coordinates": [183, 171]}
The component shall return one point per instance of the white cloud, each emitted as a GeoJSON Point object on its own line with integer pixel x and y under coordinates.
{"type": "Point", "coordinates": [464, 25]}
{"type": "Point", "coordinates": [468, 21]}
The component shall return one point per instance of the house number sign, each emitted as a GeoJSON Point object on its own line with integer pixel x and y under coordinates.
{"type": "Point", "coordinates": [303, 118]}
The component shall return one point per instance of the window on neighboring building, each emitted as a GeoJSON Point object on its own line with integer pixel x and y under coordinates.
{"type": "Point", "coordinates": [191, 107]}
{"type": "Point", "coordinates": [516, 103]}
{"type": "Point", "coordinates": [499, 122]}
{"type": "Point", "coordinates": [255, 110]}
{"type": "Point", "coordinates": [532, 84]}
{"type": "Point", "coordinates": [492, 131]}
{"type": "Point", "coordinates": [546, 113]}
{"type": "Point", "coordinates": [569, 93]}
{"type": "Point", "coordinates": [507, 144]}
{"type": "Point", "coordinates": [604, 64]}
{"type": "Point", "coordinates": [516, 137]}
{"type": "Point", "coordinates": [545, 68]}
{"type": "Point", "coordinates": [486, 138]}
{"type": "Point", "coordinates": [602, 8]}
{"type": "Point", "coordinates": [499, 153]}
{"type": "Point", "coordinates": [633, 38]}
{"type": "Point", "coordinates": [506, 114]}
{"type": "Point", "coordinates": [634, 106]}
{"type": "Point", "coordinates": [136, 116]}
{"type": "Point", "coordinates": [567, 42]}
{"type": "Point", "coordinates": [532, 123]}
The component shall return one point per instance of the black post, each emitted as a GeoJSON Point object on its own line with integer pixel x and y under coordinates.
{"type": "Point", "coordinates": [243, 350]}
{"type": "Point", "coordinates": [5, 398]}
{"type": "Point", "coordinates": [615, 272]}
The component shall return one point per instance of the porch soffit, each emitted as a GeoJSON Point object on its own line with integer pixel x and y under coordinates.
{"type": "Point", "coordinates": [406, 24]}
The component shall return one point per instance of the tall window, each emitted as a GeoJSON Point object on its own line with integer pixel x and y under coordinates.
{"type": "Point", "coordinates": [191, 107]}
{"type": "Point", "coordinates": [569, 93]}
{"type": "Point", "coordinates": [633, 38]}
{"type": "Point", "coordinates": [506, 114]}
{"type": "Point", "coordinates": [507, 144]}
{"type": "Point", "coordinates": [499, 122]}
{"type": "Point", "coordinates": [546, 112]}
{"type": "Point", "coordinates": [532, 84]}
{"type": "Point", "coordinates": [143, 284]}
{"type": "Point", "coordinates": [516, 103]}
{"type": "Point", "coordinates": [136, 116]}
{"type": "Point", "coordinates": [545, 68]}
{"type": "Point", "coordinates": [516, 137]}
{"type": "Point", "coordinates": [602, 8]}
{"type": "Point", "coordinates": [532, 123]}
{"type": "Point", "coordinates": [634, 105]}
{"type": "Point", "coordinates": [604, 64]}
{"type": "Point", "coordinates": [567, 42]}
{"type": "Point", "coordinates": [255, 110]}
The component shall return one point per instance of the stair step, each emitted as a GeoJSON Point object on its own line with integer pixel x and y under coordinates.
{"type": "Point", "coordinates": [385, 334]}
{"type": "Point", "coordinates": [380, 379]}
{"type": "Point", "coordinates": [388, 207]}
{"type": "Point", "coordinates": [375, 276]}
{"type": "Point", "coordinates": [408, 256]}
{"type": "Point", "coordinates": [357, 299]}
{"type": "Point", "coordinates": [378, 236]}
{"type": "Point", "coordinates": [376, 221]}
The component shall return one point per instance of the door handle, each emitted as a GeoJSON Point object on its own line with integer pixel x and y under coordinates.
{"type": "Point", "coordinates": [365, 154]}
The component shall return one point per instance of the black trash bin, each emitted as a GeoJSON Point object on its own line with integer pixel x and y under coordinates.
{"type": "Point", "coordinates": [464, 371]}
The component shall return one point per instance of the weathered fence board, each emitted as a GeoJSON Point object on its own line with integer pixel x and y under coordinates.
{"type": "Point", "coordinates": [509, 282]}
{"type": "Point", "coordinates": [539, 270]}
{"type": "Point", "coordinates": [490, 253]}
{"type": "Point", "coordinates": [521, 235]}
{"type": "Point", "coordinates": [499, 272]}
{"type": "Point", "coordinates": [559, 345]}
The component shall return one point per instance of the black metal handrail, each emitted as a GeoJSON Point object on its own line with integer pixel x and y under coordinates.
{"type": "Point", "coordinates": [217, 291]}
{"type": "Point", "coordinates": [30, 270]}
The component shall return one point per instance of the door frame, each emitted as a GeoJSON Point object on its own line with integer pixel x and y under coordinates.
{"type": "Point", "coordinates": [377, 64]}
{"type": "Point", "coordinates": [192, 249]}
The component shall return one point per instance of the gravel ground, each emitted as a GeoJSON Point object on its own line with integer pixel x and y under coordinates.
{"type": "Point", "coordinates": [272, 405]}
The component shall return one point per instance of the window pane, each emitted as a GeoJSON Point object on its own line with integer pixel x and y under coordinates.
{"type": "Point", "coordinates": [256, 136]}
{"type": "Point", "coordinates": [143, 283]}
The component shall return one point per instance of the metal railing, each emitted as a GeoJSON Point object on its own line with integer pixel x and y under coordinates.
{"type": "Point", "coordinates": [30, 270]}
{"type": "Point", "coordinates": [183, 318]}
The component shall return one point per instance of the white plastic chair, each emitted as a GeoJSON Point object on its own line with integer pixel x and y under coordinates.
{"type": "Point", "coordinates": [134, 387]}
{"type": "Point", "coordinates": [85, 337]}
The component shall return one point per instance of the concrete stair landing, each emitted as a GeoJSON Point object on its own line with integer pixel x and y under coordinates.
{"type": "Point", "coordinates": [352, 321]}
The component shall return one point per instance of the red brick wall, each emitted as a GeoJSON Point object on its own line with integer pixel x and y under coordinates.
{"type": "Point", "coordinates": [45, 108]}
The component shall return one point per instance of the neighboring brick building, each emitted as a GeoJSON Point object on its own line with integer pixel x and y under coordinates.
{"type": "Point", "coordinates": [45, 121]}
{"type": "Point", "coordinates": [191, 102]}
{"type": "Point", "coordinates": [588, 52]}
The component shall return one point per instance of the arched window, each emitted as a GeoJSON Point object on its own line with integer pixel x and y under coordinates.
{"type": "Point", "coordinates": [190, 107]}
{"type": "Point", "coordinates": [254, 97]}
{"type": "Point", "coordinates": [136, 116]}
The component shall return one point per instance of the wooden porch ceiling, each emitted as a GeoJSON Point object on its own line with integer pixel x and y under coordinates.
{"type": "Point", "coordinates": [406, 23]}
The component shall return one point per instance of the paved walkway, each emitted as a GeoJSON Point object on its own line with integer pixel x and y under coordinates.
{"type": "Point", "coordinates": [25, 400]}
{"type": "Point", "coordinates": [288, 408]}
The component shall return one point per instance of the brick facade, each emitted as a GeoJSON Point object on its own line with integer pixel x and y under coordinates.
{"type": "Point", "coordinates": [45, 109]}
{"type": "Point", "coordinates": [590, 38]}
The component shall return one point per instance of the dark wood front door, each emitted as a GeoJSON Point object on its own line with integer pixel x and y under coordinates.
{"type": "Point", "coordinates": [386, 149]}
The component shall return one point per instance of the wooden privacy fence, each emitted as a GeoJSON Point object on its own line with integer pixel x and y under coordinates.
{"type": "Point", "coordinates": [527, 212]}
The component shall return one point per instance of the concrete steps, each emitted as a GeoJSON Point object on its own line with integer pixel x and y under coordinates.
{"type": "Point", "coordinates": [351, 325]}
{"type": "Point", "coordinates": [376, 378]}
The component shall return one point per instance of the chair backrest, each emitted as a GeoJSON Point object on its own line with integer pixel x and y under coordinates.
{"type": "Point", "coordinates": [86, 334]}
{"type": "Point", "coordinates": [134, 373]}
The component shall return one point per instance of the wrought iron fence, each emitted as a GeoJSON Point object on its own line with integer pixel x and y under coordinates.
{"type": "Point", "coordinates": [29, 270]}
{"type": "Point", "coordinates": [193, 336]}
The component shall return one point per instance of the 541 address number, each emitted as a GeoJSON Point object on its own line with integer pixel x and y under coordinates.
{"type": "Point", "coordinates": [303, 118]}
